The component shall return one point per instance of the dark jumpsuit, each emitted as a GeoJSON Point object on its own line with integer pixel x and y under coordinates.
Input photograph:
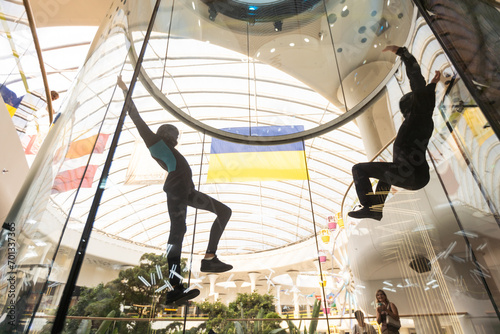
{"type": "Point", "coordinates": [409, 169]}
{"type": "Point", "coordinates": [181, 193]}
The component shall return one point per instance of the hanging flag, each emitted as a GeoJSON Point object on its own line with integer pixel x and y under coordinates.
{"type": "Point", "coordinates": [10, 98]}
{"type": "Point", "coordinates": [74, 169]}
{"type": "Point", "coordinates": [232, 162]}
{"type": "Point", "coordinates": [82, 147]}
{"type": "Point", "coordinates": [70, 179]}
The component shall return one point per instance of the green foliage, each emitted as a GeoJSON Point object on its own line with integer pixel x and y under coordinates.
{"type": "Point", "coordinates": [85, 327]}
{"type": "Point", "coordinates": [238, 328]}
{"type": "Point", "coordinates": [292, 329]}
{"type": "Point", "coordinates": [93, 302]}
{"type": "Point", "coordinates": [251, 303]}
{"type": "Point", "coordinates": [269, 326]}
{"type": "Point", "coordinates": [315, 313]}
{"type": "Point", "coordinates": [105, 300]}
{"type": "Point", "coordinates": [217, 314]}
{"type": "Point", "coordinates": [132, 289]}
{"type": "Point", "coordinates": [106, 323]}
{"type": "Point", "coordinates": [257, 325]}
{"type": "Point", "coordinates": [246, 306]}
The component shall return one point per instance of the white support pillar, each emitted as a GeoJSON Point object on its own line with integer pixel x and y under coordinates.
{"type": "Point", "coordinates": [253, 280]}
{"type": "Point", "coordinates": [296, 306]}
{"type": "Point", "coordinates": [213, 278]}
{"type": "Point", "coordinates": [278, 299]}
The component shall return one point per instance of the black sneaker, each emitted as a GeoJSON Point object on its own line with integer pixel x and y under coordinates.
{"type": "Point", "coordinates": [366, 212]}
{"type": "Point", "coordinates": [214, 266]}
{"type": "Point", "coordinates": [179, 295]}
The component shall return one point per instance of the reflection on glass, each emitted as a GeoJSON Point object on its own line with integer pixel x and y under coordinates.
{"type": "Point", "coordinates": [478, 58]}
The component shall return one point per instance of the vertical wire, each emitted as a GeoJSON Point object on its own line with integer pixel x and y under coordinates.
{"type": "Point", "coordinates": [335, 56]}
{"type": "Point", "coordinates": [194, 231]}
{"type": "Point", "coordinates": [168, 44]}
{"type": "Point", "coordinates": [248, 83]}
{"type": "Point", "coordinates": [325, 307]}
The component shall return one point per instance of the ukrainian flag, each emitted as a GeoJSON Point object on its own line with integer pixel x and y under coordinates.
{"type": "Point", "coordinates": [232, 162]}
{"type": "Point", "coordinates": [10, 98]}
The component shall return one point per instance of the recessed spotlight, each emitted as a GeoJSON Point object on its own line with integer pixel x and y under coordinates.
{"type": "Point", "coordinates": [292, 44]}
{"type": "Point", "coordinates": [212, 12]}
{"type": "Point", "coordinates": [272, 50]}
{"type": "Point", "coordinates": [306, 40]}
{"type": "Point", "coordinates": [332, 18]}
{"type": "Point", "coordinates": [278, 26]}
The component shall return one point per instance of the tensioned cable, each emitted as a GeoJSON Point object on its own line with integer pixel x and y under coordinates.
{"type": "Point", "coordinates": [248, 84]}
{"type": "Point", "coordinates": [194, 232]}
{"type": "Point", "coordinates": [336, 59]}
{"type": "Point", "coordinates": [325, 307]}
{"type": "Point", "coordinates": [168, 44]}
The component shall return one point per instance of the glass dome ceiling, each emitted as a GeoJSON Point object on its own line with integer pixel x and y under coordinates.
{"type": "Point", "coordinates": [222, 84]}
{"type": "Point", "coordinates": [266, 214]}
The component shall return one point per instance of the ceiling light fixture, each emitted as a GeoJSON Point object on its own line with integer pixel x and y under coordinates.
{"type": "Point", "coordinates": [278, 26]}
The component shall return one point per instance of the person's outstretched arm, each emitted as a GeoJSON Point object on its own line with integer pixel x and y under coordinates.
{"type": "Point", "coordinates": [147, 135]}
{"type": "Point", "coordinates": [417, 81]}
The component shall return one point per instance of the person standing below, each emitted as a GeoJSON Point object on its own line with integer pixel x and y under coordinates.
{"type": "Point", "coordinates": [386, 309]}
{"type": "Point", "coordinates": [181, 193]}
{"type": "Point", "coordinates": [362, 327]}
{"type": "Point", "coordinates": [409, 169]}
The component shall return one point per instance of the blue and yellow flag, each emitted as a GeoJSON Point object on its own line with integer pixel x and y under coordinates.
{"type": "Point", "coordinates": [10, 98]}
{"type": "Point", "coordinates": [232, 162]}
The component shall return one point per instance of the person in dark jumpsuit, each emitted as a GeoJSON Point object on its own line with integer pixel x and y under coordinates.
{"type": "Point", "coordinates": [181, 193]}
{"type": "Point", "coordinates": [409, 169]}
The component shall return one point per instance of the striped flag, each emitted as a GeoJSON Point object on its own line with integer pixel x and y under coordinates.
{"type": "Point", "coordinates": [232, 162]}
{"type": "Point", "coordinates": [74, 170]}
